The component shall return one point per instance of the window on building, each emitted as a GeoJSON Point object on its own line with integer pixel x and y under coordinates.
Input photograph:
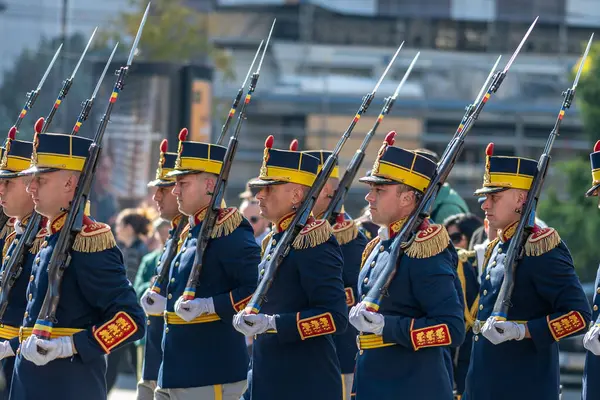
{"type": "Point", "coordinates": [577, 38]}
{"type": "Point", "coordinates": [473, 36]}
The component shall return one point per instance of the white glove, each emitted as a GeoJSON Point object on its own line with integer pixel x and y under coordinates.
{"type": "Point", "coordinates": [5, 350]}
{"type": "Point", "coordinates": [366, 321]}
{"type": "Point", "coordinates": [591, 340]}
{"type": "Point", "coordinates": [500, 331]}
{"type": "Point", "coordinates": [255, 324]}
{"type": "Point", "coordinates": [159, 303]}
{"type": "Point", "coordinates": [61, 347]}
{"type": "Point", "coordinates": [190, 309]}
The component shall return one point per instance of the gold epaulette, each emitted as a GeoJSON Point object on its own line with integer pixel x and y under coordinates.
{"type": "Point", "coordinates": [39, 239]}
{"type": "Point", "coordinates": [368, 249]}
{"type": "Point", "coordinates": [345, 231]}
{"type": "Point", "coordinates": [430, 240]}
{"type": "Point", "coordinates": [94, 237]}
{"type": "Point", "coordinates": [265, 243]}
{"type": "Point", "coordinates": [541, 241]}
{"type": "Point", "coordinates": [8, 228]}
{"type": "Point", "coordinates": [7, 242]}
{"type": "Point", "coordinates": [227, 221]}
{"type": "Point", "coordinates": [313, 234]}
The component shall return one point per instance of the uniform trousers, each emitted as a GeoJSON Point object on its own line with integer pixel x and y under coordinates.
{"type": "Point", "coordinates": [228, 391]}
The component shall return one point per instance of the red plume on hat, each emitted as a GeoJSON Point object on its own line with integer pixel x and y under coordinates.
{"type": "Point", "coordinates": [597, 146]}
{"type": "Point", "coordinates": [294, 145]}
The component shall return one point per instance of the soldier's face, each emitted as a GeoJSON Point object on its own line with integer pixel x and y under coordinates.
{"type": "Point", "coordinates": [193, 192]}
{"type": "Point", "coordinates": [166, 202]}
{"type": "Point", "coordinates": [275, 201]}
{"type": "Point", "coordinates": [500, 207]}
{"type": "Point", "coordinates": [388, 203]}
{"type": "Point", "coordinates": [14, 198]}
{"type": "Point", "coordinates": [52, 191]}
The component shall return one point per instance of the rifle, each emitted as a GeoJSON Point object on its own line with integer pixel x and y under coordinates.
{"type": "Point", "coordinates": [304, 211]}
{"type": "Point", "coordinates": [66, 86]}
{"type": "Point", "coordinates": [339, 196]}
{"type": "Point", "coordinates": [238, 97]}
{"type": "Point", "coordinates": [516, 248]}
{"type": "Point", "coordinates": [33, 95]}
{"type": "Point", "coordinates": [421, 212]}
{"type": "Point", "coordinates": [219, 192]}
{"type": "Point", "coordinates": [14, 265]}
{"type": "Point", "coordinates": [61, 256]}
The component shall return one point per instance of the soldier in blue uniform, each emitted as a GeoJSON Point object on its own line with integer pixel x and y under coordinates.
{"type": "Point", "coordinates": [352, 242]}
{"type": "Point", "coordinates": [203, 356]}
{"type": "Point", "coordinates": [591, 340]}
{"type": "Point", "coordinates": [17, 203]}
{"type": "Point", "coordinates": [517, 358]}
{"type": "Point", "coordinates": [98, 309]}
{"type": "Point", "coordinates": [461, 356]}
{"type": "Point", "coordinates": [294, 355]}
{"type": "Point", "coordinates": [166, 203]}
{"type": "Point", "coordinates": [402, 345]}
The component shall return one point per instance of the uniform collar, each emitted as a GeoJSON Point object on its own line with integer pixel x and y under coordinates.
{"type": "Point", "coordinates": [56, 223]}
{"type": "Point", "coordinates": [508, 232]}
{"type": "Point", "coordinates": [284, 222]}
{"type": "Point", "coordinates": [175, 221]}
{"type": "Point", "coordinates": [198, 217]}
{"type": "Point", "coordinates": [20, 225]}
{"type": "Point", "coordinates": [390, 232]}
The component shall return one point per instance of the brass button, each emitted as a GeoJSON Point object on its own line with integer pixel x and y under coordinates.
{"type": "Point", "coordinates": [172, 280]}
{"type": "Point", "coordinates": [363, 296]}
{"type": "Point", "coordinates": [262, 272]}
{"type": "Point", "coordinates": [481, 306]}
{"type": "Point", "coordinates": [273, 242]}
{"type": "Point", "coordinates": [476, 338]}
{"type": "Point", "coordinates": [269, 257]}
{"type": "Point", "coordinates": [189, 235]}
{"type": "Point", "coordinates": [31, 278]}
{"type": "Point", "coordinates": [487, 277]}
{"type": "Point", "coordinates": [177, 263]}
{"type": "Point", "coordinates": [159, 262]}
{"type": "Point", "coordinates": [484, 292]}
{"type": "Point", "coordinates": [372, 263]}
{"type": "Point", "coordinates": [37, 260]}
{"type": "Point", "coordinates": [381, 248]}
{"type": "Point", "coordinates": [499, 250]}
{"type": "Point", "coordinates": [366, 280]}
{"type": "Point", "coordinates": [167, 329]}
{"type": "Point", "coordinates": [148, 322]}
{"type": "Point", "coordinates": [26, 314]}
{"type": "Point", "coordinates": [595, 308]}
{"type": "Point", "coordinates": [183, 249]}
{"type": "Point", "coordinates": [170, 296]}
{"type": "Point", "coordinates": [598, 290]}
{"type": "Point", "coordinates": [30, 296]}
{"type": "Point", "coordinates": [493, 263]}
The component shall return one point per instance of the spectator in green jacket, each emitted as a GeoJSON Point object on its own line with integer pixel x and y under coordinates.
{"type": "Point", "coordinates": [448, 202]}
{"type": "Point", "coordinates": [148, 263]}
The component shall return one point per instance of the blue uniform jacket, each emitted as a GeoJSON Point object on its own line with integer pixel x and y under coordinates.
{"type": "Point", "coordinates": [97, 300]}
{"type": "Point", "coordinates": [591, 373]}
{"type": "Point", "coordinates": [307, 295]}
{"type": "Point", "coordinates": [467, 274]}
{"type": "Point", "coordinates": [352, 253]}
{"type": "Point", "coordinates": [423, 317]}
{"type": "Point", "coordinates": [209, 351]}
{"type": "Point", "coordinates": [13, 316]}
{"type": "Point", "coordinates": [154, 330]}
{"type": "Point", "coordinates": [549, 298]}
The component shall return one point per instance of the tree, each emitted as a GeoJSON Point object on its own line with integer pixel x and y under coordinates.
{"type": "Point", "coordinates": [173, 32]}
{"type": "Point", "coordinates": [25, 74]}
{"type": "Point", "coordinates": [565, 207]}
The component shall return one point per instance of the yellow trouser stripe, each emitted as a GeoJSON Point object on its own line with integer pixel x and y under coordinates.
{"type": "Point", "coordinates": [56, 333]}
{"type": "Point", "coordinates": [218, 392]}
{"type": "Point", "coordinates": [172, 318]}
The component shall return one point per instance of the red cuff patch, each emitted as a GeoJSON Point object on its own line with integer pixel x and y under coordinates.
{"type": "Point", "coordinates": [430, 336]}
{"type": "Point", "coordinates": [116, 331]}
{"type": "Point", "coordinates": [566, 325]}
{"type": "Point", "coordinates": [240, 305]}
{"type": "Point", "coordinates": [318, 325]}
{"type": "Point", "coordinates": [350, 300]}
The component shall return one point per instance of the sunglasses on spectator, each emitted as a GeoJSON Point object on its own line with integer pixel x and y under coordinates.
{"type": "Point", "coordinates": [456, 237]}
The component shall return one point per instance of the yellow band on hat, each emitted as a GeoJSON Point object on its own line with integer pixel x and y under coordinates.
{"type": "Point", "coordinates": [200, 164]}
{"type": "Point", "coordinates": [48, 160]}
{"type": "Point", "coordinates": [18, 164]}
{"type": "Point", "coordinates": [596, 176]}
{"type": "Point", "coordinates": [402, 175]}
{"type": "Point", "coordinates": [163, 176]}
{"type": "Point", "coordinates": [334, 174]}
{"type": "Point", "coordinates": [289, 175]}
{"type": "Point", "coordinates": [510, 181]}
